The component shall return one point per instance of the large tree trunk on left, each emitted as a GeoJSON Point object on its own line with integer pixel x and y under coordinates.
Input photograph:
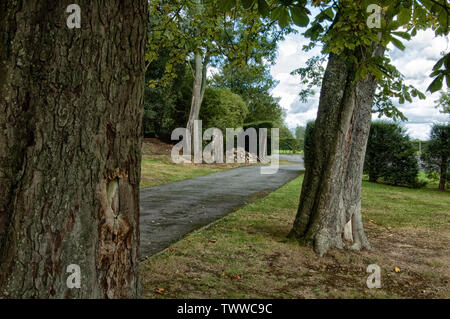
{"type": "Point", "coordinates": [70, 144]}
{"type": "Point", "coordinates": [331, 191]}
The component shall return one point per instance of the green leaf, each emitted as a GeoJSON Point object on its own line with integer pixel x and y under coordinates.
{"type": "Point", "coordinates": [404, 16]}
{"type": "Point", "coordinates": [314, 31]}
{"type": "Point", "coordinates": [393, 25]}
{"type": "Point", "coordinates": [263, 8]}
{"type": "Point", "coordinates": [404, 35]}
{"type": "Point", "coordinates": [397, 43]}
{"type": "Point", "coordinates": [281, 14]}
{"type": "Point", "coordinates": [438, 64]}
{"type": "Point", "coordinates": [247, 4]}
{"type": "Point", "coordinates": [329, 13]}
{"type": "Point", "coordinates": [436, 85]}
{"type": "Point", "coordinates": [447, 61]}
{"type": "Point", "coordinates": [408, 97]}
{"type": "Point", "coordinates": [299, 16]}
{"type": "Point", "coordinates": [435, 73]}
{"type": "Point", "coordinates": [226, 5]}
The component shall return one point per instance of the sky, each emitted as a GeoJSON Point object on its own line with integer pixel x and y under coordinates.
{"type": "Point", "coordinates": [415, 63]}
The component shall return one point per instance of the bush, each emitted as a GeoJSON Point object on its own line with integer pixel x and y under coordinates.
{"type": "Point", "coordinates": [289, 144]}
{"type": "Point", "coordinates": [391, 156]}
{"type": "Point", "coordinates": [222, 109]}
{"type": "Point", "coordinates": [436, 155]}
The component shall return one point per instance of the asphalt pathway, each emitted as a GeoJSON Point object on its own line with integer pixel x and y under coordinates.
{"type": "Point", "coordinates": [170, 211]}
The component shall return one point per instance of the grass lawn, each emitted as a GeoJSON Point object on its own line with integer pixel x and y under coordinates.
{"type": "Point", "coordinates": [159, 169]}
{"type": "Point", "coordinates": [246, 254]}
{"type": "Point", "coordinates": [289, 152]}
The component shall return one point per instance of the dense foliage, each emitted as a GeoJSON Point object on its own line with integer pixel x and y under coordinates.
{"type": "Point", "coordinates": [436, 155]}
{"type": "Point", "coordinates": [166, 107]}
{"type": "Point", "coordinates": [223, 109]}
{"type": "Point", "coordinates": [391, 156]}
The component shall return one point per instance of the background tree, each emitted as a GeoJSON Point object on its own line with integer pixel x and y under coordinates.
{"type": "Point", "coordinates": [254, 83]}
{"type": "Point", "coordinates": [196, 31]}
{"type": "Point", "coordinates": [70, 147]}
{"type": "Point", "coordinates": [300, 136]}
{"type": "Point", "coordinates": [444, 102]}
{"type": "Point", "coordinates": [436, 157]}
{"type": "Point", "coordinates": [390, 156]}
{"type": "Point", "coordinates": [300, 131]}
{"type": "Point", "coordinates": [166, 107]}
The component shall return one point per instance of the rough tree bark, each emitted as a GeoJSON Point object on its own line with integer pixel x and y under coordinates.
{"type": "Point", "coordinates": [70, 136]}
{"type": "Point", "coordinates": [331, 192]}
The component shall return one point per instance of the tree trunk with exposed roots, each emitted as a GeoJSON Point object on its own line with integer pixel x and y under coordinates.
{"type": "Point", "coordinates": [331, 191]}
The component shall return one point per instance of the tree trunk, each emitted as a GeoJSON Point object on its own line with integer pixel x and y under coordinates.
{"type": "Point", "coordinates": [331, 191]}
{"type": "Point", "coordinates": [198, 90]}
{"type": "Point", "coordinates": [70, 147]}
{"type": "Point", "coordinates": [443, 175]}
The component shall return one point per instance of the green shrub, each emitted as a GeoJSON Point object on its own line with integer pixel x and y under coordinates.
{"type": "Point", "coordinates": [289, 144]}
{"type": "Point", "coordinates": [222, 109]}
{"type": "Point", "coordinates": [436, 154]}
{"type": "Point", "coordinates": [390, 156]}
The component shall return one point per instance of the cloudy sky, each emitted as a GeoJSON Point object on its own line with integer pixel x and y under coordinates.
{"type": "Point", "coordinates": [415, 63]}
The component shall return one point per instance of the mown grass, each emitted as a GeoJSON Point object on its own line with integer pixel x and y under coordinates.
{"type": "Point", "coordinates": [159, 169]}
{"type": "Point", "coordinates": [403, 207]}
{"type": "Point", "coordinates": [289, 152]}
{"type": "Point", "coordinates": [247, 254]}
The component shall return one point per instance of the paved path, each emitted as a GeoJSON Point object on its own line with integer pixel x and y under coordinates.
{"type": "Point", "coordinates": [172, 210]}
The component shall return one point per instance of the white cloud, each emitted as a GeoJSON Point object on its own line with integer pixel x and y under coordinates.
{"type": "Point", "coordinates": [418, 131]}
{"type": "Point", "coordinates": [290, 57]}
